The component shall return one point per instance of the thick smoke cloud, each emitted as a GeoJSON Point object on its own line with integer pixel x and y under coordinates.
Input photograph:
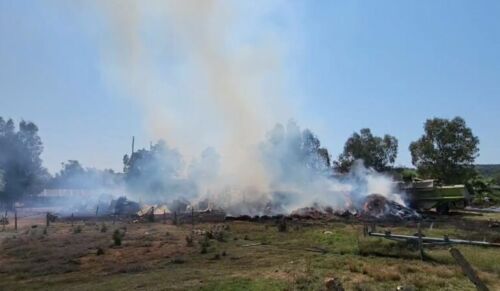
{"type": "Point", "coordinates": [199, 81]}
{"type": "Point", "coordinates": [296, 165]}
{"type": "Point", "coordinates": [204, 78]}
{"type": "Point", "coordinates": [300, 176]}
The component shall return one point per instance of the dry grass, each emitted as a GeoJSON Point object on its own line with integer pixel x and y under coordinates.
{"type": "Point", "coordinates": [156, 256]}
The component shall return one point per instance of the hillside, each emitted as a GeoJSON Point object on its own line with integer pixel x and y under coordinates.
{"type": "Point", "coordinates": [489, 170]}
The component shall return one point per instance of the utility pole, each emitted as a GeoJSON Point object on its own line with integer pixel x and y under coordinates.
{"type": "Point", "coordinates": [133, 142]}
{"type": "Point", "coordinates": [15, 218]}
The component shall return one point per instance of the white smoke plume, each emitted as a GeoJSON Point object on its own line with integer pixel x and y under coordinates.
{"type": "Point", "coordinates": [204, 78]}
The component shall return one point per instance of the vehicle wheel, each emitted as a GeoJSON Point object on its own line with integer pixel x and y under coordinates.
{"type": "Point", "coordinates": [443, 209]}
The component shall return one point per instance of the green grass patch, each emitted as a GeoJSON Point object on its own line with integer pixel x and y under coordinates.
{"type": "Point", "coordinates": [244, 284]}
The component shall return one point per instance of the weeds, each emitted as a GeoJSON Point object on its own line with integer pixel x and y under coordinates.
{"type": "Point", "coordinates": [117, 237]}
{"type": "Point", "coordinates": [189, 241]}
{"type": "Point", "coordinates": [77, 229]}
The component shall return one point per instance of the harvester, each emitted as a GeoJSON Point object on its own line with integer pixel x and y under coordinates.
{"type": "Point", "coordinates": [427, 194]}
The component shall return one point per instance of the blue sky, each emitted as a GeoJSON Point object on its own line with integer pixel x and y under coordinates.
{"type": "Point", "coordinates": [386, 65]}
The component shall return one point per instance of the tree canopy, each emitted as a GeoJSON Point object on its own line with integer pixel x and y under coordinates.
{"type": "Point", "coordinates": [376, 152]}
{"type": "Point", "coordinates": [156, 172]}
{"type": "Point", "coordinates": [446, 151]}
{"type": "Point", "coordinates": [74, 176]}
{"type": "Point", "coordinates": [20, 163]}
{"type": "Point", "coordinates": [290, 147]}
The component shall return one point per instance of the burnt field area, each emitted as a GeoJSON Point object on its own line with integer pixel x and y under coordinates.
{"type": "Point", "coordinates": [249, 254]}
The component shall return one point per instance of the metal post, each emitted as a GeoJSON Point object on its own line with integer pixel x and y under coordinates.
{"type": "Point", "coordinates": [72, 218]}
{"type": "Point", "coordinates": [47, 223]}
{"type": "Point", "coordinates": [15, 219]}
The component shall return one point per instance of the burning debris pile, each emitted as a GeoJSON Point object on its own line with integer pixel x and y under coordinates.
{"type": "Point", "coordinates": [374, 206]}
{"type": "Point", "coordinates": [293, 176]}
{"type": "Point", "coordinates": [377, 206]}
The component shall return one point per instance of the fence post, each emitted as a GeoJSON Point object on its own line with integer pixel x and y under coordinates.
{"type": "Point", "coordinates": [468, 270]}
{"type": "Point", "coordinates": [192, 218]}
{"type": "Point", "coordinates": [420, 245]}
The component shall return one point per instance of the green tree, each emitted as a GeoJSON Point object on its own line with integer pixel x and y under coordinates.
{"type": "Point", "coordinates": [446, 151]}
{"type": "Point", "coordinates": [20, 161]}
{"type": "Point", "coordinates": [156, 172]}
{"type": "Point", "coordinates": [376, 152]}
{"type": "Point", "coordinates": [74, 176]}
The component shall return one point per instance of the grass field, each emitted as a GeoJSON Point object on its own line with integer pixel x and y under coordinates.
{"type": "Point", "coordinates": [239, 256]}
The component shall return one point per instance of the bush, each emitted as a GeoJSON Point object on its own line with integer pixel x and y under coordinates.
{"type": "Point", "coordinates": [77, 229]}
{"type": "Point", "coordinates": [103, 227]}
{"type": "Point", "coordinates": [189, 241]}
{"type": "Point", "coordinates": [117, 237]}
{"type": "Point", "coordinates": [219, 236]}
{"type": "Point", "coordinates": [282, 227]}
{"type": "Point", "coordinates": [205, 243]}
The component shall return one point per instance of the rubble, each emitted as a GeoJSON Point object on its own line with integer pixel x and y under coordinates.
{"type": "Point", "coordinates": [378, 207]}
{"type": "Point", "coordinates": [123, 206]}
{"type": "Point", "coordinates": [153, 210]}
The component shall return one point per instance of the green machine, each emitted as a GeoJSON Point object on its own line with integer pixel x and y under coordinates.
{"type": "Point", "coordinates": [427, 194]}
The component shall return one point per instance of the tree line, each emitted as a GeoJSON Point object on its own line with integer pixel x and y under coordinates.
{"type": "Point", "coordinates": [446, 151]}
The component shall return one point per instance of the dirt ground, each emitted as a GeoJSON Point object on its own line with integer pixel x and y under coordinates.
{"type": "Point", "coordinates": [95, 254]}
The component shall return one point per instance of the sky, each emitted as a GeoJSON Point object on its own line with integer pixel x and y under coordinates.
{"type": "Point", "coordinates": [337, 66]}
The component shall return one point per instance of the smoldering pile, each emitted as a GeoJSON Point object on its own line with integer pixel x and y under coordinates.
{"type": "Point", "coordinates": [373, 207]}
{"type": "Point", "coordinates": [377, 206]}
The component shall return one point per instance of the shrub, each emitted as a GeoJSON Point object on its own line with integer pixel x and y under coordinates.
{"type": "Point", "coordinates": [117, 237]}
{"type": "Point", "coordinates": [189, 241]}
{"type": "Point", "coordinates": [282, 227]}
{"type": "Point", "coordinates": [77, 229]}
{"type": "Point", "coordinates": [219, 236]}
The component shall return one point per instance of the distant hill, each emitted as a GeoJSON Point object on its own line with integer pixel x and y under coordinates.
{"type": "Point", "coordinates": [491, 170]}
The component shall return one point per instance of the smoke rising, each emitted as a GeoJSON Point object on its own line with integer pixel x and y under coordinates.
{"type": "Point", "coordinates": [199, 83]}
{"type": "Point", "coordinates": [205, 80]}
